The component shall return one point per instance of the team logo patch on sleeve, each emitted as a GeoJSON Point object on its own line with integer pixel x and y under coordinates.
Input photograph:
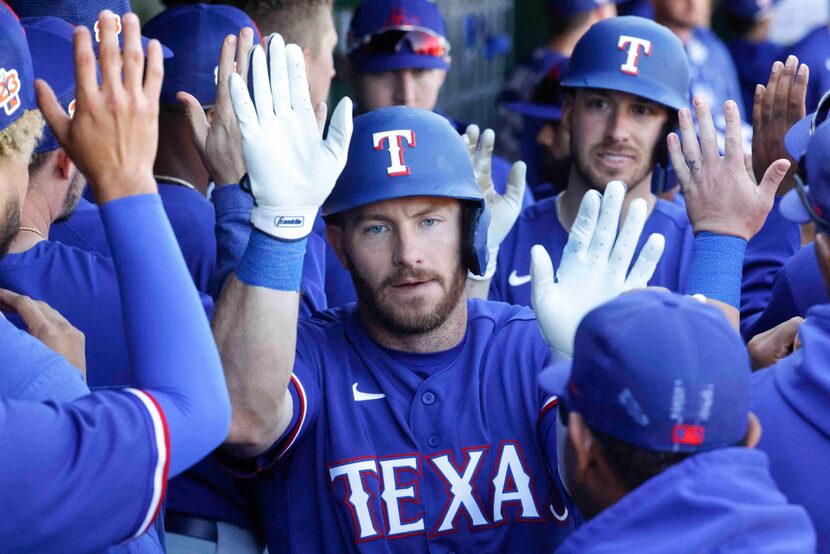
{"type": "Point", "coordinates": [9, 90]}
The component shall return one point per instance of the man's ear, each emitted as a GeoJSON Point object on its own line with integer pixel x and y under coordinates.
{"type": "Point", "coordinates": [753, 432]}
{"type": "Point", "coordinates": [582, 440]}
{"type": "Point", "coordinates": [64, 165]}
{"type": "Point", "coordinates": [336, 237]}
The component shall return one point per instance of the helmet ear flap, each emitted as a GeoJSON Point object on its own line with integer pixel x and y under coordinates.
{"type": "Point", "coordinates": [474, 253]}
{"type": "Point", "coordinates": [662, 178]}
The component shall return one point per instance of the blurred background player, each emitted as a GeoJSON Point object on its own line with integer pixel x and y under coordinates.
{"type": "Point", "coordinates": [568, 20]}
{"type": "Point", "coordinates": [617, 110]}
{"type": "Point", "coordinates": [182, 177]}
{"type": "Point", "coordinates": [791, 397]}
{"type": "Point", "coordinates": [548, 156]}
{"type": "Point", "coordinates": [814, 51]}
{"type": "Point", "coordinates": [657, 436]}
{"type": "Point", "coordinates": [749, 22]}
{"type": "Point", "coordinates": [131, 438]}
{"type": "Point", "coordinates": [713, 73]}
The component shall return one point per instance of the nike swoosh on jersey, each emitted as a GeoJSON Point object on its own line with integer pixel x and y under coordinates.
{"type": "Point", "coordinates": [516, 280]}
{"type": "Point", "coordinates": [363, 396]}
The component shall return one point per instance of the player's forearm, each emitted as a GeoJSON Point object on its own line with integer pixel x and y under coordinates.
{"type": "Point", "coordinates": [256, 330]}
{"type": "Point", "coordinates": [716, 271]}
{"type": "Point", "coordinates": [171, 347]}
{"type": "Point", "coordinates": [233, 229]}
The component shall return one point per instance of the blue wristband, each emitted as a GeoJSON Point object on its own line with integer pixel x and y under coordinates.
{"type": "Point", "coordinates": [717, 267]}
{"type": "Point", "coordinates": [272, 263]}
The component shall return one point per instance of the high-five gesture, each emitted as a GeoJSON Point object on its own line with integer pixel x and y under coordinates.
{"type": "Point", "coordinates": [776, 108]}
{"type": "Point", "coordinates": [721, 195]}
{"type": "Point", "coordinates": [504, 209]}
{"type": "Point", "coordinates": [113, 135]}
{"type": "Point", "coordinates": [290, 167]}
{"type": "Point", "coordinates": [594, 266]}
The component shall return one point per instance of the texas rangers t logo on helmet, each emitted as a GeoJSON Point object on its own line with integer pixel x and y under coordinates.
{"type": "Point", "coordinates": [397, 167]}
{"type": "Point", "coordinates": [634, 44]}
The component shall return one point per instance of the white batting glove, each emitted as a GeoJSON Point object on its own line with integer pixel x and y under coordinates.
{"type": "Point", "coordinates": [290, 168]}
{"type": "Point", "coordinates": [594, 265]}
{"type": "Point", "coordinates": [504, 209]}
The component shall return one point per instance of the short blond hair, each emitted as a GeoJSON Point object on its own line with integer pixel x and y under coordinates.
{"type": "Point", "coordinates": [20, 138]}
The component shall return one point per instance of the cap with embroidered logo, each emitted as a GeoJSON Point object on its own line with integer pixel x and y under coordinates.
{"type": "Point", "coordinates": [390, 35]}
{"type": "Point", "coordinates": [17, 83]}
{"type": "Point", "coordinates": [194, 65]}
{"type": "Point", "coordinates": [659, 371]}
{"type": "Point", "coordinates": [811, 202]}
{"type": "Point", "coordinates": [80, 12]}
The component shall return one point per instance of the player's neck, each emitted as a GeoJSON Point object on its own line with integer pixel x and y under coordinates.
{"type": "Point", "coordinates": [567, 206]}
{"type": "Point", "coordinates": [444, 337]}
{"type": "Point", "coordinates": [37, 214]}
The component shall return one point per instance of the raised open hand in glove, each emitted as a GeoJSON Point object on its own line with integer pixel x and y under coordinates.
{"type": "Point", "coordinates": [594, 266]}
{"type": "Point", "coordinates": [291, 169]}
{"type": "Point", "coordinates": [504, 209]}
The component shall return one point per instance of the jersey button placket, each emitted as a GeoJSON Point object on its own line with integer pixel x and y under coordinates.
{"type": "Point", "coordinates": [428, 398]}
{"type": "Point", "coordinates": [433, 441]}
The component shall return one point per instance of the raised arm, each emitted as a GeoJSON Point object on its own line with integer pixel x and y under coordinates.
{"type": "Point", "coordinates": [291, 171]}
{"type": "Point", "coordinates": [100, 464]}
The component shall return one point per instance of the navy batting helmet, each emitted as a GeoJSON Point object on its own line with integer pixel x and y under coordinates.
{"type": "Point", "coordinates": [398, 152]}
{"type": "Point", "coordinates": [634, 55]}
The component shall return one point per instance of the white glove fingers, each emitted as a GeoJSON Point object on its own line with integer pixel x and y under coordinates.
{"type": "Point", "coordinates": [646, 262]}
{"type": "Point", "coordinates": [628, 238]}
{"type": "Point", "coordinates": [297, 79]}
{"type": "Point", "coordinates": [242, 106]}
{"type": "Point", "coordinates": [579, 239]}
{"type": "Point", "coordinates": [484, 159]}
{"type": "Point", "coordinates": [280, 89]}
{"type": "Point", "coordinates": [261, 87]}
{"type": "Point", "coordinates": [340, 131]}
{"type": "Point", "coordinates": [516, 183]}
{"type": "Point", "coordinates": [472, 134]}
{"type": "Point", "coordinates": [541, 275]}
{"type": "Point", "coordinates": [609, 219]}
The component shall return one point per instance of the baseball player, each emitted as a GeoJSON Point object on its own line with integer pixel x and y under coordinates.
{"type": "Point", "coordinates": [113, 450]}
{"type": "Point", "coordinates": [713, 74]}
{"type": "Point", "coordinates": [654, 409]}
{"type": "Point", "coordinates": [399, 56]}
{"type": "Point", "coordinates": [624, 83]}
{"type": "Point", "coordinates": [568, 21]}
{"type": "Point", "coordinates": [791, 397]}
{"type": "Point", "coordinates": [411, 420]}
{"type": "Point", "coordinates": [68, 279]}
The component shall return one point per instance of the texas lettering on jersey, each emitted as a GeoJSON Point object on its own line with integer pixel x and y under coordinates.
{"type": "Point", "coordinates": [382, 495]}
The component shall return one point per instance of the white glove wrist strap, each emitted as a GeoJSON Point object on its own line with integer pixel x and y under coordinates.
{"type": "Point", "coordinates": [288, 223]}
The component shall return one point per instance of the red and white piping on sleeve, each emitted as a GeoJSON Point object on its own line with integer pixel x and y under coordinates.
{"type": "Point", "coordinates": [160, 471]}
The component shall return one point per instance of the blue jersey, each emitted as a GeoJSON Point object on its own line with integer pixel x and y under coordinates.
{"type": "Point", "coordinates": [797, 287]}
{"type": "Point", "coordinates": [791, 399]}
{"type": "Point", "coordinates": [718, 501]}
{"type": "Point", "coordinates": [83, 287]}
{"type": "Point", "coordinates": [416, 452]}
{"type": "Point", "coordinates": [814, 50]}
{"type": "Point", "coordinates": [540, 224]}
{"type": "Point", "coordinates": [714, 77]}
{"type": "Point", "coordinates": [753, 62]}
{"type": "Point", "coordinates": [193, 219]}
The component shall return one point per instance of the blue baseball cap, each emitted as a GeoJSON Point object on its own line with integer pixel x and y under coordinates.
{"type": "Point", "coordinates": [80, 12]}
{"type": "Point", "coordinates": [50, 43]}
{"type": "Point", "coordinates": [391, 35]}
{"type": "Point", "coordinates": [569, 8]}
{"type": "Point", "coordinates": [798, 137]}
{"type": "Point", "coordinates": [812, 203]}
{"type": "Point", "coordinates": [195, 34]}
{"type": "Point", "coordinates": [546, 99]}
{"type": "Point", "coordinates": [17, 78]}
{"type": "Point", "coordinates": [659, 371]}
{"type": "Point", "coordinates": [749, 9]}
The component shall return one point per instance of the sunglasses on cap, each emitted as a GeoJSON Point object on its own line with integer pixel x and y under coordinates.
{"type": "Point", "coordinates": [422, 42]}
{"type": "Point", "coordinates": [812, 209]}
